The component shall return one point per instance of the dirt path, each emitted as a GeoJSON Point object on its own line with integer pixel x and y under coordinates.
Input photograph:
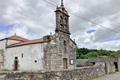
{"type": "Point", "coordinates": [115, 76]}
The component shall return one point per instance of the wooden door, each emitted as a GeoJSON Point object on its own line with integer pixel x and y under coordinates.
{"type": "Point", "coordinates": [16, 64]}
{"type": "Point", "coordinates": [65, 63]}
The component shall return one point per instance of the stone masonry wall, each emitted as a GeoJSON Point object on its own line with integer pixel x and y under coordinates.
{"type": "Point", "coordinates": [86, 73]}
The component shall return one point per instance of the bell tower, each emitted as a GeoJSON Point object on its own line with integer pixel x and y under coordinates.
{"type": "Point", "coordinates": [62, 54]}
{"type": "Point", "coordinates": [62, 20]}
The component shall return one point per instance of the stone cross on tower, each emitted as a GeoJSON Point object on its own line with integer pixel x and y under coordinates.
{"type": "Point", "coordinates": [62, 3]}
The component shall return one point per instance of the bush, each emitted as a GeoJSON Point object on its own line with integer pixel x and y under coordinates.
{"type": "Point", "coordinates": [83, 53]}
{"type": "Point", "coordinates": [92, 54]}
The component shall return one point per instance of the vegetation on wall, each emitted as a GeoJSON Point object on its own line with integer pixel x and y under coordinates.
{"type": "Point", "coordinates": [84, 53]}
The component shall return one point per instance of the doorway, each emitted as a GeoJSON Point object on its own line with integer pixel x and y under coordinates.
{"type": "Point", "coordinates": [65, 63]}
{"type": "Point", "coordinates": [116, 66]}
{"type": "Point", "coordinates": [16, 64]}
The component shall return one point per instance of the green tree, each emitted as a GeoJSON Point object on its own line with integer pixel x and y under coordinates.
{"type": "Point", "coordinates": [115, 53]}
{"type": "Point", "coordinates": [104, 52]}
{"type": "Point", "coordinates": [83, 53]}
{"type": "Point", "coordinates": [91, 54]}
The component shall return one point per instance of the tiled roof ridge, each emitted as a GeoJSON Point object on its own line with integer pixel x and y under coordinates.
{"type": "Point", "coordinates": [35, 41]}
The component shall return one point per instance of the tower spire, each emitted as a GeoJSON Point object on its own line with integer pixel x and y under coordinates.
{"type": "Point", "coordinates": [62, 3]}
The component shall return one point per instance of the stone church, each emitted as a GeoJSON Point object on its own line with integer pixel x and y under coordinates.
{"type": "Point", "coordinates": [51, 52]}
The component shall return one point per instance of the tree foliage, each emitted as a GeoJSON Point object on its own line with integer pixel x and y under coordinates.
{"type": "Point", "coordinates": [91, 54]}
{"type": "Point", "coordinates": [84, 53]}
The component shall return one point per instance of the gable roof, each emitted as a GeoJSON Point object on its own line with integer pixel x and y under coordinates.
{"type": "Point", "coordinates": [15, 37]}
{"type": "Point", "coordinates": [28, 42]}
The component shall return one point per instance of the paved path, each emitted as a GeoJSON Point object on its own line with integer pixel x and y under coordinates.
{"type": "Point", "coordinates": [115, 76]}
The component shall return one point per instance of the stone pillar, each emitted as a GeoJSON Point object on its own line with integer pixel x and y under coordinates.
{"type": "Point", "coordinates": [119, 63]}
{"type": "Point", "coordinates": [107, 67]}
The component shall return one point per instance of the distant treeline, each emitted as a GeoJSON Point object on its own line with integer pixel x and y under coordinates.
{"type": "Point", "coordinates": [84, 53]}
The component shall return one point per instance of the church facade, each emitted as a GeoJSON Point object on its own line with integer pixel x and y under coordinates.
{"type": "Point", "coordinates": [51, 52]}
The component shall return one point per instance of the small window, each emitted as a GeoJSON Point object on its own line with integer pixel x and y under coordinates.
{"type": "Point", "coordinates": [65, 20]}
{"type": "Point", "coordinates": [64, 43]}
{"type": "Point", "coordinates": [61, 17]}
{"type": "Point", "coordinates": [65, 47]}
{"type": "Point", "coordinates": [22, 55]}
{"type": "Point", "coordinates": [61, 25]}
{"type": "Point", "coordinates": [16, 57]}
{"type": "Point", "coordinates": [35, 61]}
{"type": "Point", "coordinates": [93, 63]}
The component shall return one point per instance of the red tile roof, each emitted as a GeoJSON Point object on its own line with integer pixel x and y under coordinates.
{"type": "Point", "coordinates": [15, 37]}
{"type": "Point", "coordinates": [28, 42]}
{"type": "Point", "coordinates": [18, 38]}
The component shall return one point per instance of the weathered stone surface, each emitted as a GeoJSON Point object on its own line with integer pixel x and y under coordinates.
{"type": "Point", "coordinates": [111, 63]}
{"type": "Point", "coordinates": [85, 73]}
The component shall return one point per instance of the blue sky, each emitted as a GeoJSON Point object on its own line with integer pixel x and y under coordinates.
{"type": "Point", "coordinates": [91, 31]}
{"type": "Point", "coordinates": [5, 27]}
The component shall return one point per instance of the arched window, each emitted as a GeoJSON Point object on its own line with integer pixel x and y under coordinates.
{"type": "Point", "coordinates": [65, 47]}
{"type": "Point", "coordinates": [61, 20]}
{"type": "Point", "coordinates": [61, 17]}
{"type": "Point", "coordinates": [65, 20]}
{"type": "Point", "coordinates": [64, 43]}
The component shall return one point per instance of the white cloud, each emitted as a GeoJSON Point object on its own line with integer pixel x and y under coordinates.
{"type": "Point", "coordinates": [2, 35]}
{"type": "Point", "coordinates": [36, 18]}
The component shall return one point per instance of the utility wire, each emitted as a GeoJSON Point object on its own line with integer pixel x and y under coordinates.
{"type": "Point", "coordinates": [85, 19]}
{"type": "Point", "coordinates": [49, 3]}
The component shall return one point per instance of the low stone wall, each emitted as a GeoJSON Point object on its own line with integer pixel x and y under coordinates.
{"type": "Point", "coordinates": [86, 73]}
{"type": "Point", "coordinates": [83, 62]}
